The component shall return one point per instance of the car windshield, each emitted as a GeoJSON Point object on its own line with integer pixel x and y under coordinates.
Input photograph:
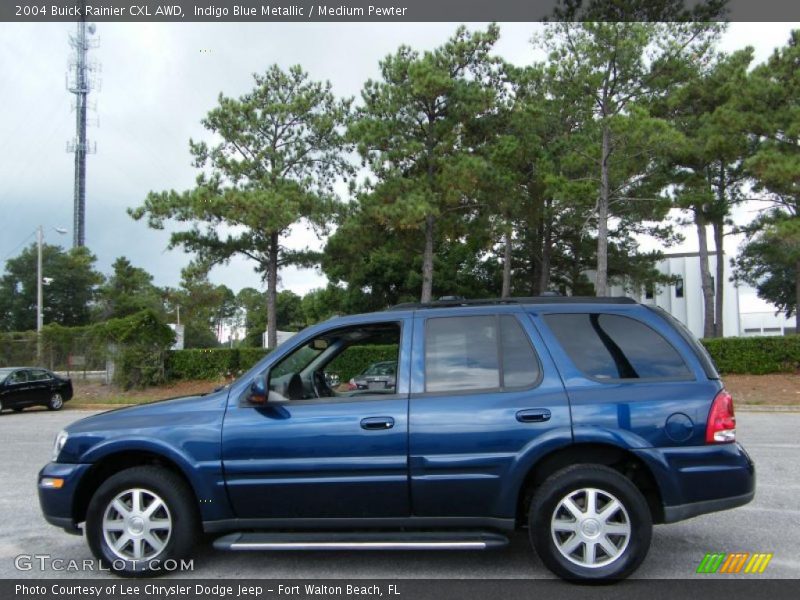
{"type": "Point", "coordinates": [5, 373]}
{"type": "Point", "coordinates": [384, 368]}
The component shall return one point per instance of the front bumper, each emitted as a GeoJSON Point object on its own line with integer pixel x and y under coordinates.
{"type": "Point", "coordinates": [58, 503]}
{"type": "Point", "coordinates": [696, 480]}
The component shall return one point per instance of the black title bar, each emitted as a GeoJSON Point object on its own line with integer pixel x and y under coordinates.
{"type": "Point", "coordinates": [396, 10]}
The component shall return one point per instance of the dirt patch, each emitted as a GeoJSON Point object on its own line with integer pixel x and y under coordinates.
{"type": "Point", "coordinates": [778, 389]}
{"type": "Point", "coordinates": [93, 394]}
{"type": "Point", "coordinates": [755, 390]}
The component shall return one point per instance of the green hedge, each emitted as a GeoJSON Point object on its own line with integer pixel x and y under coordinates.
{"type": "Point", "coordinates": [216, 363]}
{"type": "Point", "coordinates": [755, 355]}
{"type": "Point", "coordinates": [211, 363]}
{"type": "Point", "coordinates": [742, 355]}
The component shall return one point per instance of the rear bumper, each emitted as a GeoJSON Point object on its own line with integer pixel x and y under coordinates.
{"type": "Point", "coordinates": [57, 504]}
{"type": "Point", "coordinates": [701, 479]}
{"type": "Point", "coordinates": [687, 511]}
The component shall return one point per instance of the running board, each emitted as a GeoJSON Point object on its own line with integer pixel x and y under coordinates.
{"type": "Point", "coordinates": [401, 540]}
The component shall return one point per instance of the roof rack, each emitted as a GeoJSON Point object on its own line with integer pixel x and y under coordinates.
{"type": "Point", "coordinates": [449, 302]}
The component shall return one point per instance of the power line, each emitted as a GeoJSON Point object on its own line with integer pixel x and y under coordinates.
{"type": "Point", "coordinates": [18, 246]}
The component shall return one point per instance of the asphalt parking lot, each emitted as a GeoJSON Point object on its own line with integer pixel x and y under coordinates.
{"type": "Point", "coordinates": [771, 523]}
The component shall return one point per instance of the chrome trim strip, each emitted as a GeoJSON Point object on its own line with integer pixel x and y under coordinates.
{"type": "Point", "coordinates": [476, 545]}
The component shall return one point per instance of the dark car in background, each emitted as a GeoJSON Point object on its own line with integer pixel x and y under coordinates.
{"type": "Point", "coordinates": [21, 387]}
{"type": "Point", "coordinates": [380, 375]}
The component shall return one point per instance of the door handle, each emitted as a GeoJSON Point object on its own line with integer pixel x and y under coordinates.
{"type": "Point", "coordinates": [377, 423]}
{"type": "Point", "coordinates": [533, 415]}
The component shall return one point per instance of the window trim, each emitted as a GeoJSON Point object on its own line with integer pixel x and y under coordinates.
{"type": "Point", "coordinates": [502, 389]}
{"type": "Point", "coordinates": [242, 399]}
{"type": "Point", "coordinates": [690, 375]}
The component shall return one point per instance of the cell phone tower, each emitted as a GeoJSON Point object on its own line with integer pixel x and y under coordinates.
{"type": "Point", "coordinates": [82, 78]}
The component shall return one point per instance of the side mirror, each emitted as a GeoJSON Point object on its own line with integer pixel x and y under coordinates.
{"type": "Point", "coordinates": [258, 390]}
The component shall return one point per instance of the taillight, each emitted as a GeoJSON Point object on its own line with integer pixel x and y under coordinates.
{"type": "Point", "coordinates": [721, 426]}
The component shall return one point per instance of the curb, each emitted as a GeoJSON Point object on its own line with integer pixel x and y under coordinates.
{"type": "Point", "coordinates": [769, 408]}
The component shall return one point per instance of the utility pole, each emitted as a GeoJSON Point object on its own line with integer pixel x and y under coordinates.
{"type": "Point", "coordinates": [39, 283]}
{"type": "Point", "coordinates": [39, 300]}
{"type": "Point", "coordinates": [81, 79]}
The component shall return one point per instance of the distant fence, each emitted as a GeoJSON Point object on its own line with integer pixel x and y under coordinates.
{"type": "Point", "coordinates": [131, 351]}
{"type": "Point", "coordinates": [74, 353]}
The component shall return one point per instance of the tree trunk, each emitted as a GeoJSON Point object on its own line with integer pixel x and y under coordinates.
{"type": "Point", "coordinates": [719, 280]}
{"type": "Point", "coordinates": [272, 292]}
{"type": "Point", "coordinates": [601, 282]}
{"type": "Point", "coordinates": [797, 297]}
{"type": "Point", "coordinates": [427, 261]}
{"type": "Point", "coordinates": [705, 274]}
{"type": "Point", "coordinates": [506, 291]}
{"type": "Point", "coordinates": [547, 249]}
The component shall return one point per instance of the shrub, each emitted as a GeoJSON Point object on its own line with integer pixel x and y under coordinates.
{"type": "Point", "coordinates": [755, 355]}
{"type": "Point", "coordinates": [211, 363]}
{"type": "Point", "coordinates": [250, 356]}
{"type": "Point", "coordinates": [140, 343]}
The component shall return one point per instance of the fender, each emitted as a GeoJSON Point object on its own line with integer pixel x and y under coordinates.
{"type": "Point", "coordinates": [205, 477]}
{"type": "Point", "coordinates": [622, 438]}
{"type": "Point", "coordinates": [532, 453]}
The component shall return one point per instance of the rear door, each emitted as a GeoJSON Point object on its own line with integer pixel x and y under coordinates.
{"type": "Point", "coordinates": [41, 384]}
{"type": "Point", "coordinates": [486, 401]}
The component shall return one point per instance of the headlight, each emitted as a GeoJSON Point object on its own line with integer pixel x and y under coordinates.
{"type": "Point", "coordinates": [61, 440]}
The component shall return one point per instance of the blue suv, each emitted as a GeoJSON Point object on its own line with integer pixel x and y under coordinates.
{"type": "Point", "coordinates": [583, 420]}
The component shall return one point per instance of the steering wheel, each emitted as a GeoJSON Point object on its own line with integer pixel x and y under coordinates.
{"type": "Point", "coordinates": [320, 385]}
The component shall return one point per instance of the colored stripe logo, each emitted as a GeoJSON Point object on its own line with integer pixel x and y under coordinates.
{"type": "Point", "coordinates": [733, 563]}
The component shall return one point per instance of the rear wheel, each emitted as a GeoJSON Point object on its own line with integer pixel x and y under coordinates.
{"type": "Point", "coordinates": [56, 402]}
{"type": "Point", "coordinates": [139, 518]}
{"type": "Point", "coordinates": [589, 522]}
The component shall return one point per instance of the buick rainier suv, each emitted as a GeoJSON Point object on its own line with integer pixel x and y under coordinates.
{"type": "Point", "coordinates": [583, 421]}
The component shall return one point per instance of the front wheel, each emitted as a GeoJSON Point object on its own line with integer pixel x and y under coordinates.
{"type": "Point", "coordinates": [590, 523]}
{"type": "Point", "coordinates": [139, 518]}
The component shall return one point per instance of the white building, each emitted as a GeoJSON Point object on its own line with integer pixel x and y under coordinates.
{"type": "Point", "coordinates": [684, 299]}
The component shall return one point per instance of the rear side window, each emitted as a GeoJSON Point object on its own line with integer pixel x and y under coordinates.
{"type": "Point", "coordinates": [38, 375]}
{"type": "Point", "coordinates": [478, 353]}
{"type": "Point", "coordinates": [607, 346]}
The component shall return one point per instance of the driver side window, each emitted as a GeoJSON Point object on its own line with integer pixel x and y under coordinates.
{"type": "Point", "coordinates": [341, 363]}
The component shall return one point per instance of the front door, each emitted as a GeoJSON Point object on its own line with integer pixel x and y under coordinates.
{"type": "Point", "coordinates": [328, 450]}
{"type": "Point", "coordinates": [17, 391]}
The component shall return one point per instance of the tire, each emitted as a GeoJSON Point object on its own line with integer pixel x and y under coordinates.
{"type": "Point", "coordinates": [18, 409]}
{"type": "Point", "coordinates": [56, 402]}
{"type": "Point", "coordinates": [564, 535]}
{"type": "Point", "coordinates": [170, 532]}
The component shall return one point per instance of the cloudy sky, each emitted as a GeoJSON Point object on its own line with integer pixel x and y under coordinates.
{"type": "Point", "coordinates": [158, 81]}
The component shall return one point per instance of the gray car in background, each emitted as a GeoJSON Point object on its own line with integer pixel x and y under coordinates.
{"type": "Point", "coordinates": [378, 376]}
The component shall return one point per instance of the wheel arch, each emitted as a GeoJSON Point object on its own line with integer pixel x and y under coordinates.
{"type": "Point", "coordinates": [616, 457]}
{"type": "Point", "coordinates": [115, 462]}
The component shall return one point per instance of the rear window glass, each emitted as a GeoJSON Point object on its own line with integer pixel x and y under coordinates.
{"type": "Point", "coordinates": [606, 346]}
{"type": "Point", "coordinates": [461, 354]}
